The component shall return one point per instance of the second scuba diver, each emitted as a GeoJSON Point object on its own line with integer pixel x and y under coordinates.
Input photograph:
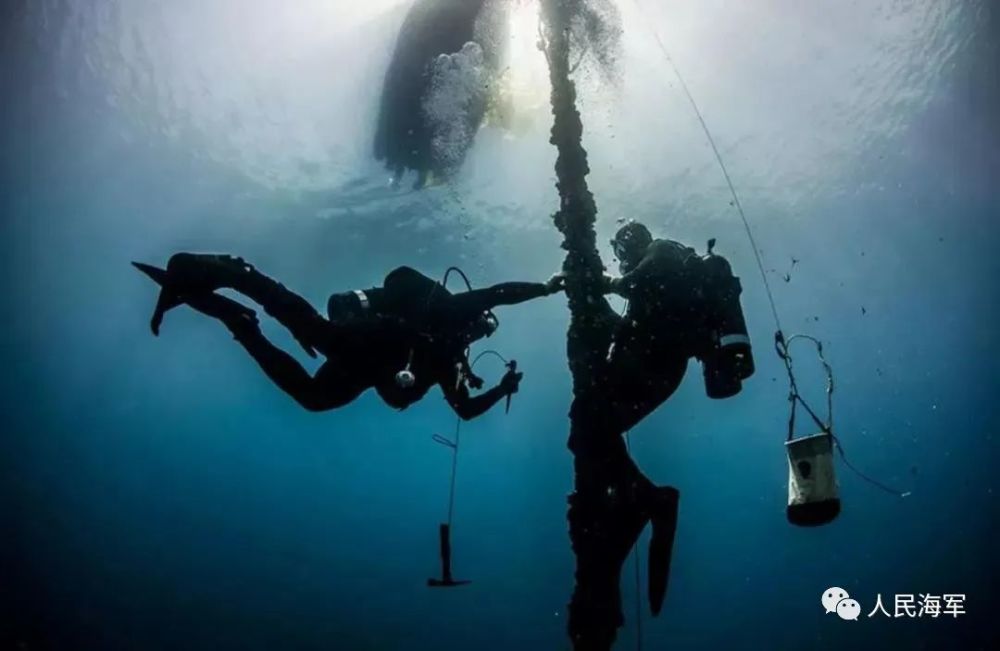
{"type": "Point", "coordinates": [401, 338]}
{"type": "Point", "coordinates": [680, 305]}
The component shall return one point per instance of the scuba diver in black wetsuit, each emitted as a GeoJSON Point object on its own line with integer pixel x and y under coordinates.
{"type": "Point", "coordinates": [400, 339]}
{"type": "Point", "coordinates": [680, 305]}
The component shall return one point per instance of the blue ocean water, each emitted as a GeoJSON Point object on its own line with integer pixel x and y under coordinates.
{"type": "Point", "coordinates": [162, 494]}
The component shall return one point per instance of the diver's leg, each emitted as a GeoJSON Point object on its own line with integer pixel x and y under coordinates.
{"type": "Point", "coordinates": [332, 386]}
{"type": "Point", "coordinates": [641, 377]}
{"type": "Point", "coordinates": [605, 521]}
{"type": "Point", "coordinates": [233, 314]}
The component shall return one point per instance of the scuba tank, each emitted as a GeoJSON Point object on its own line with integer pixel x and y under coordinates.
{"type": "Point", "coordinates": [348, 306]}
{"type": "Point", "coordinates": [728, 359]}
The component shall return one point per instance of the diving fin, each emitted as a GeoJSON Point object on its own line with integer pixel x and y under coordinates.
{"type": "Point", "coordinates": [158, 275]}
{"type": "Point", "coordinates": [167, 300]}
{"type": "Point", "coordinates": [663, 516]}
{"type": "Point", "coordinates": [233, 313]}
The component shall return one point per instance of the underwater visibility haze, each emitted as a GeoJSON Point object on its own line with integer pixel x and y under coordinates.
{"type": "Point", "coordinates": [161, 493]}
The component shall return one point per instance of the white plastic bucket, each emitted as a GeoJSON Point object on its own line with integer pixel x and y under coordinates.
{"type": "Point", "coordinates": [813, 498]}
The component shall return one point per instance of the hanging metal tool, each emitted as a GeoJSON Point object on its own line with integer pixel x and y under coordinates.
{"type": "Point", "coordinates": [444, 529]}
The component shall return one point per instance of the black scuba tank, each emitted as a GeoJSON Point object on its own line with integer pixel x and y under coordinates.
{"type": "Point", "coordinates": [728, 358]}
{"type": "Point", "coordinates": [345, 307]}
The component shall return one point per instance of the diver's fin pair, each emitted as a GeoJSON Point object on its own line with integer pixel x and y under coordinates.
{"type": "Point", "coordinates": [234, 314]}
{"type": "Point", "coordinates": [446, 580]}
{"type": "Point", "coordinates": [663, 517]}
{"type": "Point", "coordinates": [189, 277]}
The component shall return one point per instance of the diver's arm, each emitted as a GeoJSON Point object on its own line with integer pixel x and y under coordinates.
{"type": "Point", "coordinates": [628, 283]}
{"type": "Point", "coordinates": [468, 407]}
{"type": "Point", "coordinates": [476, 301]}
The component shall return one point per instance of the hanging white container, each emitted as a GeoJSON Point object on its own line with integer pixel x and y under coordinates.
{"type": "Point", "coordinates": [813, 497]}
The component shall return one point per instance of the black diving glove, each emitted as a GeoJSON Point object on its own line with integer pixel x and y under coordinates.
{"type": "Point", "coordinates": [510, 382]}
{"type": "Point", "coordinates": [556, 283]}
{"type": "Point", "coordinates": [611, 284]}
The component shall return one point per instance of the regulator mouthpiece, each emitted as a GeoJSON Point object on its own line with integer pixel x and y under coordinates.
{"type": "Point", "coordinates": [491, 323]}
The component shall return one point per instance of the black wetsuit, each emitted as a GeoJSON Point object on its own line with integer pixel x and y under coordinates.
{"type": "Point", "coordinates": [433, 321]}
{"type": "Point", "coordinates": [413, 320]}
{"type": "Point", "coordinates": [427, 305]}
{"type": "Point", "coordinates": [659, 332]}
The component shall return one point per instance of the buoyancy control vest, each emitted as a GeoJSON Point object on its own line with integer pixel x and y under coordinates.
{"type": "Point", "coordinates": [694, 301]}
